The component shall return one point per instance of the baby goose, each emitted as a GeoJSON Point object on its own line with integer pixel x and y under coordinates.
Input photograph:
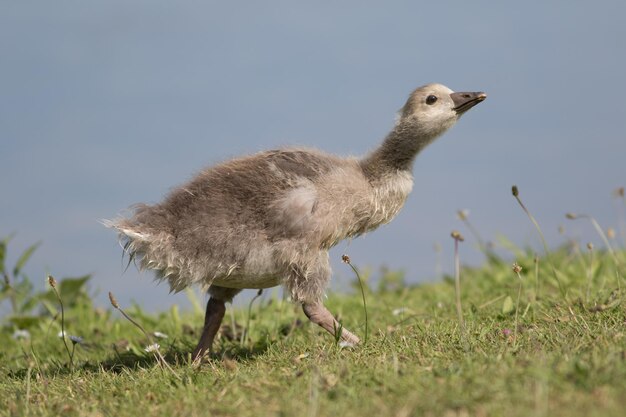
{"type": "Point", "coordinates": [268, 219]}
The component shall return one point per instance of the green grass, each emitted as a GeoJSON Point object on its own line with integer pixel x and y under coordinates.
{"type": "Point", "coordinates": [567, 356]}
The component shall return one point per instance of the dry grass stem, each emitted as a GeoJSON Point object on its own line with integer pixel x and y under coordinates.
{"type": "Point", "coordinates": [152, 347]}
{"type": "Point", "coordinates": [517, 269]}
{"type": "Point", "coordinates": [589, 270]}
{"type": "Point", "coordinates": [457, 282]}
{"type": "Point", "coordinates": [619, 193]}
{"type": "Point", "coordinates": [53, 284]}
{"type": "Point", "coordinates": [346, 260]}
{"type": "Point", "coordinates": [463, 215]}
{"type": "Point", "coordinates": [246, 332]}
{"type": "Point", "coordinates": [604, 238]}
{"type": "Point", "coordinates": [515, 192]}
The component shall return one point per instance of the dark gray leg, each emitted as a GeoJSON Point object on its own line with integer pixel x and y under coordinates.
{"type": "Point", "coordinates": [318, 314]}
{"type": "Point", "coordinates": [215, 310]}
{"type": "Point", "coordinates": [307, 282]}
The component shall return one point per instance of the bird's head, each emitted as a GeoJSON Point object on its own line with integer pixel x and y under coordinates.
{"type": "Point", "coordinates": [434, 108]}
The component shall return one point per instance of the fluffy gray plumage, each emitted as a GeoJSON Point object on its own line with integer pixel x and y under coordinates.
{"type": "Point", "coordinates": [268, 219]}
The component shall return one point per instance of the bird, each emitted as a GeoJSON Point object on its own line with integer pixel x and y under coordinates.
{"type": "Point", "coordinates": [270, 218]}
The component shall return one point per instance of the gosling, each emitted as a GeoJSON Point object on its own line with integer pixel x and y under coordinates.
{"type": "Point", "coordinates": [269, 219]}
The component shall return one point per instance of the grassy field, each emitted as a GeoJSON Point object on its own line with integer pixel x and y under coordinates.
{"type": "Point", "coordinates": [527, 347]}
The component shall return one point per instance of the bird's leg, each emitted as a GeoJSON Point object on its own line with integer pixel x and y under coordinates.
{"type": "Point", "coordinates": [318, 314]}
{"type": "Point", "coordinates": [215, 310]}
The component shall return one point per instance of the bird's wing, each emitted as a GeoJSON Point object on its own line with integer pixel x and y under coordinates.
{"type": "Point", "coordinates": [295, 212]}
{"type": "Point", "coordinates": [300, 163]}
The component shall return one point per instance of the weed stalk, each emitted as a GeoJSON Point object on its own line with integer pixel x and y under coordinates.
{"type": "Point", "coordinates": [457, 282]}
{"type": "Point", "coordinates": [596, 225]}
{"type": "Point", "coordinates": [517, 269]}
{"type": "Point", "coordinates": [619, 193]}
{"type": "Point", "coordinates": [484, 248]}
{"type": "Point", "coordinates": [515, 192]}
{"type": "Point", "coordinates": [246, 332]}
{"type": "Point", "coordinates": [537, 288]}
{"type": "Point", "coordinates": [154, 347]}
{"type": "Point", "coordinates": [53, 283]}
{"type": "Point", "coordinates": [589, 270]}
{"type": "Point", "coordinates": [346, 260]}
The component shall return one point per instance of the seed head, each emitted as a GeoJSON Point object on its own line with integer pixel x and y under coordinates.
{"type": "Point", "coordinates": [113, 300]}
{"type": "Point", "coordinates": [463, 214]}
{"type": "Point", "coordinates": [345, 259]}
{"type": "Point", "coordinates": [590, 246]}
{"type": "Point", "coordinates": [515, 191]}
{"type": "Point", "coordinates": [456, 235]}
{"type": "Point", "coordinates": [610, 233]}
{"type": "Point", "coordinates": [516, 268]}
{"type": "Point", "coordinates": [619, 192]}
{"type": "Point", "coordinates": [52, 281]}
{"type": "Point", "coordinates": [571, 216]}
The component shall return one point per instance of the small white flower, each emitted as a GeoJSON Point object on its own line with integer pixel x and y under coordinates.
{"type": "Point", "coordinates": [21, 334]}
{"type": "Point", "coordinates": [343, 344]}
{"type": "Point", "coordinates": [152, 348]}
{"type": "Point", "coordinates": [74, 339]}
{"type": "Point", "coordinates": [160, 335]}
{"type": "Point", "coordinates": [400, 310]}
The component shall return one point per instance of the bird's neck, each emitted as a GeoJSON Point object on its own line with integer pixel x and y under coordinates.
{"type": "Point", "coordinates": [397, 152]}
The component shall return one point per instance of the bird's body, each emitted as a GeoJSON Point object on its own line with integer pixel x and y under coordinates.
{"type": "Point", "coordinates": [219, 230]}
{"type": "Point", "coordinates": [270, 218]}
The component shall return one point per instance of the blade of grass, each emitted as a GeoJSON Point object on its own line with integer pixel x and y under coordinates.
{"type": "Point", "coordinates": [24, 257]}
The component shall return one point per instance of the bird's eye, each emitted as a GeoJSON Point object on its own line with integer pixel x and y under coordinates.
{"type": "Point", "coordinates": [431, 99]}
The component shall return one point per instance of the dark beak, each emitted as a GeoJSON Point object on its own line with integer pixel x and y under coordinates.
{"type": "Point", "coordinates": [465, 101]}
